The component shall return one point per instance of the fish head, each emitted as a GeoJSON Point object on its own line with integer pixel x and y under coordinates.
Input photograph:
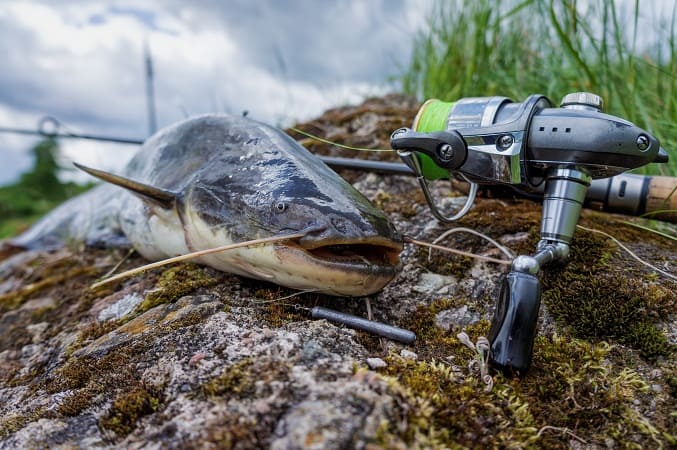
{"type": "Point", "coordinates": [349, 247]}
{"type": "Point", "coordinates": [348, 243]}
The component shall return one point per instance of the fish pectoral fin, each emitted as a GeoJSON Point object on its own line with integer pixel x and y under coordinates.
{"type": "Point", "coordinates": [161, 197]}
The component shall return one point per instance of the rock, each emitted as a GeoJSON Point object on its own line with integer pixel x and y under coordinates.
{"type": "Point", "coordinates": [432, 283]}
{"type": "Point", "coordinates": [376, 363]}
{"type": "Point", "coordinates": [37, 330]}
{"type": "Point", "coordinates": [187, 357]}
{"type": "Point", "coordinates": [121, 308]}
{"type": "Point", "coordinates": [312, 351]}
{"type": "Point", "coordinates": [455, 319]}
{"type": "Point", "coordinates": [408, 354]}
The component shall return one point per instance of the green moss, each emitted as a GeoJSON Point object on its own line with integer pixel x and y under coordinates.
{"type": "Point", "coordinates": [176, 282]}
{"type": "Point", "coordinates": [572, 386]}
{"type": "Point", "coordinates": [188, 320]}
{"type": "Point", "coordinates": [41, 314]}
{"type": "Point", "coordinates": [576, 385]}
{"type": "Point", "coordinates": [13, 422]}
{"type": "Point", "coordinates": [649, 340]}
{"type": "Point", "coordinates": [94, 331]}
{"type": "Point", "coordinates": [431, 341]}
{"type": "Point", "coordinates": [95, 375]}
{"type": "Point", "coordinates": [498, 217]}
{"type": "Point", "coordinates": [404, 204]}
{"type": "Point", "coordinates": [248, 378]}
{"type": "Point", "coordinates": [75, 403]}
{"type": "Point", "coordinates": [129, 407]}
{"type": "Point", "coordinates": [595, 298]}
{"type": "Point", "coordinates": [274, 310]}
{"type": "Point", "coordinates": [233, 431]}
{"type": "Point", "coordinates": [236, 380]}
{"type": "Point", "coordinates": [444, 263]}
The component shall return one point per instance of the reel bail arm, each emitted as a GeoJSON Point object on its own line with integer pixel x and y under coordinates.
{"type": "Point", "coordinates": [446, 149]}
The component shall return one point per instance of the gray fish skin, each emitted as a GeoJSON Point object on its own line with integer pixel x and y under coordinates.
{"type": "Point", "coordinates": [236, 179]}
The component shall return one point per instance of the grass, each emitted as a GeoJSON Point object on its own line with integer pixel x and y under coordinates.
{"type": "Point", "coordinates": [517, 48]}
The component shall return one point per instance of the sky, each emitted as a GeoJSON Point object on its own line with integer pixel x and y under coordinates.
{"type": "Point", "coordinates": [82, 62]}
{"type": "Point", "coordinates": [282, 61]}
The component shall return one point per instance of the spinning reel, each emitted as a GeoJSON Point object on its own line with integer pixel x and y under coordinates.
{"type": "Point", "coordinates": [537, 148]}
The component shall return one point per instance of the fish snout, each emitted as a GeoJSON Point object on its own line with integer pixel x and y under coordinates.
{"type": "Point", "coordinates": [334, 229]}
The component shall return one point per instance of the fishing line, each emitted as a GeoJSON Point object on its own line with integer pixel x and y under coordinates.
{"type": "Point", "coordinates": [336, 144]}
{"type": "Point", "coordinates": [279, 300]}
{"type": "Point", "coordinates": [630, 252]}
{"type": "Point", "coordinates": [647, 214]}
{"type": "Point", "coordinates": [196, 254]}
{"type": "Point", "coordinates": [410, 240]}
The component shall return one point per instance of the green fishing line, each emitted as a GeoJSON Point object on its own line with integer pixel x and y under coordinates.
{"type": "Point", "coordinates": [433, 116]}
{"type": "Point", "coordinates": [347, 147]}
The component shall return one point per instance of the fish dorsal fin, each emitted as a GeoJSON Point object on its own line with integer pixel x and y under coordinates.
{"type": "Point", "coordinates": [158, 196]}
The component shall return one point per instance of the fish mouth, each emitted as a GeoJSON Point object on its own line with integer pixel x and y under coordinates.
{"type": "Point", "coordinates": [374, 251]}
{"type": "Point", "coordinates": [345, 267]}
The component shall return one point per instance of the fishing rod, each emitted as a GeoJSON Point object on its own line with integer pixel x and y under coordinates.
{"type": "Point", "coordinates": [557, 154]}
{"type": "Point", "coordinates": [630, 194]}
{"type": "Point", "coordinates": [48, 127]}
{"type": "Point", "coordinates": [653, 196]}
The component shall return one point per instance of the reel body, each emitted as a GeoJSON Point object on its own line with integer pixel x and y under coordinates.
{"type": "Point", "coordinates": [537, 148]}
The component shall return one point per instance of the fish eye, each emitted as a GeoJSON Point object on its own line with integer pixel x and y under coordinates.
{"type": "Point", "coordinates": [280, 207]}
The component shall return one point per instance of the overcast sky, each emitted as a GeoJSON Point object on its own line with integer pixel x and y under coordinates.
{"type": "Point", "coordinates": [82, 62]}
{"type": "Point", "coordinates": [282, 60]}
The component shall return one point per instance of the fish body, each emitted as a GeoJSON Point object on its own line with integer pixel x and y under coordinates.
{"type": "Point", "coordinates": [219, 179]}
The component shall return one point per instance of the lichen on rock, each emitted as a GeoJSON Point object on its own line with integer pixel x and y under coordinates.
{"type": "Point", "coordinates": [187, 357]}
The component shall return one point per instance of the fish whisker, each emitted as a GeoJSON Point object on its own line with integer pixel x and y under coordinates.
{"type": "Point", "coordinates": [196, 254]}
{"type": "Point", "coordinates": [410, 240]}
{"type": "Point", "coordinates": [118, 264]}
{"type": "Point", "coordinates": [505, 250]}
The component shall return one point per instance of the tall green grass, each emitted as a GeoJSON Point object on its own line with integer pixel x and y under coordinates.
{"type": "Point", "coordinates": [552, 47]}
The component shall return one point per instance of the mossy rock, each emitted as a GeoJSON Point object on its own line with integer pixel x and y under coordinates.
{"type": "Point", "coordinates": [214, 360]}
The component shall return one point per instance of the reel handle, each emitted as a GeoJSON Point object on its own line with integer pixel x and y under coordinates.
{"type": "Point", "coordinates": [513, 328]}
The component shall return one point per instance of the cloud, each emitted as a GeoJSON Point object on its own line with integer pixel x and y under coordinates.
{"type": "Point", "coordinates": [82, 62]}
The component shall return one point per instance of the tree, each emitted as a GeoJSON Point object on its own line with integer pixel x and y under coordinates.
{"type": "Point", "coordinates": [42, 182]}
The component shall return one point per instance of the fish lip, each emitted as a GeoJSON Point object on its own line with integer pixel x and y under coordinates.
{"type": "Point", "coordinates": [335, 276]}
{"type": "Point", "coordinates": [318, 237]}
{"type": "Point", "coordinates": [370, 251]}
{"type": "Point", "coordinates": [376, 254]}
{"type": "Point", "coordinates": [376, 241]}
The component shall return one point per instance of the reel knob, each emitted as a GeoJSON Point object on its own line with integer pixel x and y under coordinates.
{"type": "Point", "coordinates": [582, 100]}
